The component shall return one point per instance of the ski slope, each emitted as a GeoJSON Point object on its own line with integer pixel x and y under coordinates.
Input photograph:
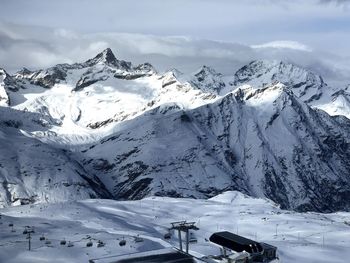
{"type": "Point", "coordinates": [300, 237]}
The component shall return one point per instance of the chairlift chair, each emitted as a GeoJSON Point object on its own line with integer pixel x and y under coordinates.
{"type": "Point", "coordinates": [167, 236]}
{"type": "Point", "coordinates": [89, 244]}
{"type": "Point", "coordinates": [122, 243]}
{"type": "Point", "coordinates": [100, 243]}
{"type": "Point", "coordinates": [138, 239]}
{"type": "Point", "coordinates": [70, 244]}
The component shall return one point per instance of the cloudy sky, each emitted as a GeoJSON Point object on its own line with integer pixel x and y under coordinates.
{"type": "Point", "coordinates": [179, 33]}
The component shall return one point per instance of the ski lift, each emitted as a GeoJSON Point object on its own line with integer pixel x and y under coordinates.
{"type": "Point", "coordinates": [89, 244]}
{"type": "Point", "coordinates": [192, 238]}
{"type": "Point", "coordinates": [70, 244]}
{"type": "Point", "coordinates": [167, 236]}
{"type": "Point", "coordinates": [122, 242]}
{"type": "Point", "coordinates": [28, 230]}
{"type": "Point", "coordinates": [42, 238]}
{"type": "Point", "coordinates": [138, 239]}
{"type": "Point", "coordinates": [100, 243]}
{"type": "Point", "coordinates": [12, 229]}
{"type": "Point", "coordinates": [63, 242]}
{"type": "Point", "coordinates": [47, 242]}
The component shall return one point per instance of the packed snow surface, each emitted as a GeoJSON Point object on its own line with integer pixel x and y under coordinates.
{"type": "Point", "coordinates": [300, 237]}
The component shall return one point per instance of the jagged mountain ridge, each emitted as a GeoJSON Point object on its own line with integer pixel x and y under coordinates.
{"type": "Point", "coordinates": [104, 62]}
{"type": "Point", "coordinates": [159, 133]}
{"type": "Point", "coordinates": [98, 92]}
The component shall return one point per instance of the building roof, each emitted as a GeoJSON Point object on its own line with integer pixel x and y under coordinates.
{"type": "Point", "coordinates": [235, 242]}
{"type": "Point", "coordinates": [163, 258]}
{"type": "Point", "coordinates": [167, 255]}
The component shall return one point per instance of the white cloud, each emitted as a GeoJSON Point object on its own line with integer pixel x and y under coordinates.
{"type": "Point", "coordinates": [39, 47]}
{"type": "Point", "coordinates": [284, 45]}
{"type": "Point", "coordinates": [339, 2]}
{"type": "Point", "coordinates": [244, 21]}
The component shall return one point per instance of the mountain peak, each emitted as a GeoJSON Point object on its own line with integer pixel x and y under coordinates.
{"type": "Point", "coordinates": [304, 83]}
{"type": "Point", "coordinates": [208, 80]}
{"type": "Point", "coordinates": [106, 56]}
{"type": "Point", "coordinates": [206, 68]}
{"type": "Point", "coordinates": [3, 72]}
{"type": "Point", "coordinates": [275, 70]}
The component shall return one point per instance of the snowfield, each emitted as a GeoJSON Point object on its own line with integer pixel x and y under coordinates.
{"type": "Point", "coordinates": [300, 237]}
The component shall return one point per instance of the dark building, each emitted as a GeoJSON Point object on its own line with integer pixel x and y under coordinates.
{"type": "Point", "coordinates": [259, 252]}
{"type": "Point", "coordinates": [235, 242]}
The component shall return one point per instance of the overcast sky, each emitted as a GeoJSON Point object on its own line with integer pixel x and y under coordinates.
{"type": "Point", "coordinates": [41, 32]}
{"type": "Point", "coordinates": [247, 21]}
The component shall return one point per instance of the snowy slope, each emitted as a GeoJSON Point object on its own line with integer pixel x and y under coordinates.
{"type": "Point", "coordinates": [338, 104]}
{"type": "Point", "coordinates": [309, 237]}
{"type": "Point", "coordinates": [32, 172]}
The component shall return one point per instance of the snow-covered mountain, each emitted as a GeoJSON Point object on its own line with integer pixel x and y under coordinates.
{"type": "Point", "coordinates": [305, 84]}
{"type": "Point", "coordinates": [263, 142]}
{"type": "Point", "coordinates": [128, 132]}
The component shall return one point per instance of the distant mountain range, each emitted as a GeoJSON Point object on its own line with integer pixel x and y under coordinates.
{"type": "Point", "coordinates": [109, 129]}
